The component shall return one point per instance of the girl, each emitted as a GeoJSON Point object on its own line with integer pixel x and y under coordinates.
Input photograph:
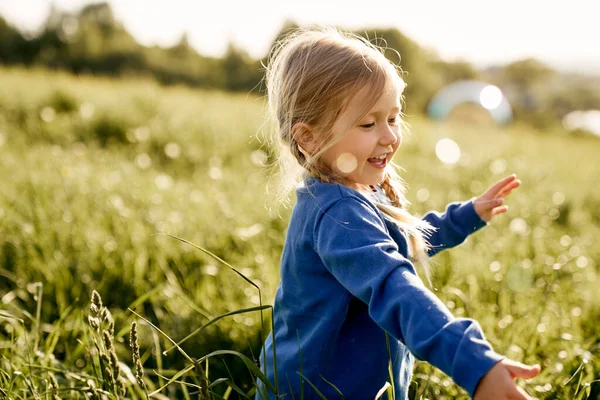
{"type": "Point", "coordinates": [350, 313]}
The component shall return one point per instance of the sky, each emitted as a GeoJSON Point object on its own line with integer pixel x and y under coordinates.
{"type": "Point", "coordinates": [479, 31]}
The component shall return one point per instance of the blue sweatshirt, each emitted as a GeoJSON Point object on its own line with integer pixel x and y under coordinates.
{"type": "Point", "coordinates": [345, 281]}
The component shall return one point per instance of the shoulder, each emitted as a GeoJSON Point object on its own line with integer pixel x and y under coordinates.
{"type": "Point", "coordinates": [340, 210]}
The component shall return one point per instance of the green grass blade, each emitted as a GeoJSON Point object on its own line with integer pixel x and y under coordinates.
{"type": "Point", "coordinates": [333, 386]}
{"type": "Point", "coordinates": [215, 257]}
{"type": "Point", "coordinates": [212, 321]}
{"type": "Point", "coordinates": [7, 315]}
{"type": "Point", "coordinates": [312, 385]}
{"type": "Point", "coordinates": [165, 335]}
{"type": "Point", "coordinates": [247, 361]}
{"type": "Point", "coordinates": [173, 379]}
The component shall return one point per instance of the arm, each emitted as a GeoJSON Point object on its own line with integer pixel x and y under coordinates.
{"type": "Point", "coordinates": [462, 219]}
{"type": "Point", "coordinates": [453, 226]}
{"type": "Point", "coordinates": [356, 249]}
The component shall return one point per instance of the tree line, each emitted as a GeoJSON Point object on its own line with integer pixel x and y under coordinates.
{"type": "Point", "coordinates": [93, 41]}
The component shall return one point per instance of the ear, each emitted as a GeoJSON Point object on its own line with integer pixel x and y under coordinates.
{"type": "Point", "coordinates": [303, 134]}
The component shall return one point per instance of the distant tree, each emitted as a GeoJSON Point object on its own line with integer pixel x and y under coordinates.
{"type": "Point", "coordinates": [455, 71]}
{"type": "Point", "coordinates": [574, 98]}
{"type": "Point", "coordinates": [101, 15]}
{"type": "Point", "coordinates": [522, 80]}
{"type": "Point", "coordinates": [11, 43]}
{"type": "Point", "coordinates": [92, 40]}
{"type": "Point", "coordinates": [527, 73]}
{"type": "Point", "coordinates": [241, 71]}
{"type": "Point", "coordinates": [182, 49]}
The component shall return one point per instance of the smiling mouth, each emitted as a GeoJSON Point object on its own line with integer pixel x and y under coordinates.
{"type": "Point", "coordinates": [378, 162]}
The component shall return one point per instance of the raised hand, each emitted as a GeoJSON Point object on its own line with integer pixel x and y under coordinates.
{"type": "Point", "coordinates": [499, 382]}
{"type": "Point", "coordinates": [489, 204]}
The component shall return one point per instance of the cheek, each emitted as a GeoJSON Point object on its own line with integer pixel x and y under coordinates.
{"type": "Point", "coordinates": [398, 142]}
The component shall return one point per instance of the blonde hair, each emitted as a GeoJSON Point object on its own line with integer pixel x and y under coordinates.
{"type": "Point", "coordinates": [310, 74]}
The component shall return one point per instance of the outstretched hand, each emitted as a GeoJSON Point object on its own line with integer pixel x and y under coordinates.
{"type": "Point", "coordinates": [498, 383]}
{"type": "Point", "coordinates": [489, 204]}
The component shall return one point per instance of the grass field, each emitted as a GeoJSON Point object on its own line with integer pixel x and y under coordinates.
{"type": "Point", "coordinates": [96, 173]}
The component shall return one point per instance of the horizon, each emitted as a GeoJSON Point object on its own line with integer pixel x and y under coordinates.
{"type": "Point", "coordinates": [479, 38]}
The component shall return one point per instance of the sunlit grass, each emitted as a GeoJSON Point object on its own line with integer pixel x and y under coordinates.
{"type": "Point", "coordinates": [95, 170]}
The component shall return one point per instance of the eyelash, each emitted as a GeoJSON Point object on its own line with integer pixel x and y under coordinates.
{"type": "Point", "coordinates": [392, 121]}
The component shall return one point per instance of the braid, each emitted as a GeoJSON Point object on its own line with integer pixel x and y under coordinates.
{"type": "Point", "coordinates": [390, 191]}
{"type": "Point", "coordinates": [316, 172]}
{"type": "Point", "coordinates": [413, 226]}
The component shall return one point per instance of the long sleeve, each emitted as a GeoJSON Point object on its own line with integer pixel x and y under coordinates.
{"type": "Point", "coordinates": [352, 241]}
{"type": "Point", "coordinates": [453, 226]}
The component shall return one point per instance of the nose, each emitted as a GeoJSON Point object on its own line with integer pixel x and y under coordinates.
{"type": "Point", "coordinates": [389, 136]}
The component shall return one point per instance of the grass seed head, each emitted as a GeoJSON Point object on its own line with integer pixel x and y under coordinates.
{"type": "Point", "coordinates": [53, 387]}
{"type": "Point", "coordinates": [94, 323]}
{"type": "Point", "coordinates": [96, 306]}
{"type": "Point", "coordinates": [135, 351]}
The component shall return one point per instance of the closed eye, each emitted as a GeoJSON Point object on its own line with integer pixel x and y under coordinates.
{"type": "Point", "coordinates": [393, 121]}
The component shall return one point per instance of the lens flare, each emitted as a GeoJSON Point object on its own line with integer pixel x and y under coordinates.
{"type": "Point", "coordinates": [490, 97]}
{"type": "Point", "coordinates": [482, 93]}
{"type": "Point", "coordinates": [346, 163]}
{"type": "Point", "coordinates": [447, 151]}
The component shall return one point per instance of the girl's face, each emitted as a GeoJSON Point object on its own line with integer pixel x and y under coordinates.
{"type": "Point", "coordinates": [365, 147]}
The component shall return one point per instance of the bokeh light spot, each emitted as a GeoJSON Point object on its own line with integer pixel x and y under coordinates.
{"type": "Point", "coordinates": [582, 262]}
{"type": "Point", "coordinates": [447, 151]}
{"type": "Point", "coordinates": [163, 182]}
{"type": "Point", "coordinates": [565, 240]}
{"type": "Point", "coordinates": [519, 225]}
{"type": "Point", "coordinates": [142, 134]}
{"type": "Point", "coordinates": [172, 150]}
{"type": "Point", "coordinates": [495, 266]}
{"type": "Point", "coordinates": [346, 163]}
{"type": "Point", "coordinates": [210, 269]}
{"type": "Point", "coordinates": [422, 195]}
{"type": "Point", "coordinates": [215, 173]}
{"type": "Point", "coordinates": [558, 198]}
{"type": "Point", "coordinates": [490, 97]}
{"type": "Point", "coordinates": [143, 161]}
{"type": "Point", "coordinates": [47, 114]}
{"type": "Point", "coordinates": [86, 110]}
{"type": "Point", "coordinates": [498, 166]}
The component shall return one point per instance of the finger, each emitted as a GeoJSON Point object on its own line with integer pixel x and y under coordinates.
{"type": "Point", "coordinates": [499, 210]}
{"type": "Point", "coordinates": [487, 205]}
{"type": "Point", "coordinates": [505, 191]}
{"type": "Point", "coordinates": [518, 370]}
{"type": "Point", "coordinates": [500, 184]}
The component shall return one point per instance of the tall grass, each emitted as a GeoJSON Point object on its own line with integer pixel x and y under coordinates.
{"type": "Point", "coordinates": [99, 175]}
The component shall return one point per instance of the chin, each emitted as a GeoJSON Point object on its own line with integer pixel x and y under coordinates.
{"type": "Point", "coordinates": [370, 182]}
{"type": "Point", "coordinates": [377, 180]}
